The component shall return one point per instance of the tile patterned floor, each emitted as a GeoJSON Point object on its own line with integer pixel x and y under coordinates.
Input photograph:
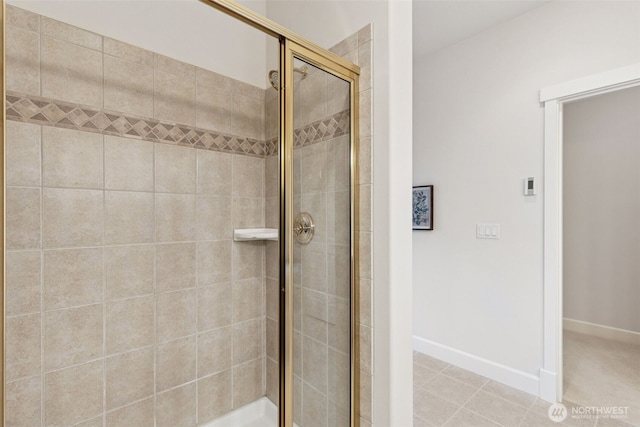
{"type": "Point", "coordinates": [448, 396]}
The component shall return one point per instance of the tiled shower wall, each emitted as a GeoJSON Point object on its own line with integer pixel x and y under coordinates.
{"type": "Point", "coordinates": [127, 300]}
{"type": "Point", "coordinates": [321, 270]}
{"type": "Point", "coordinates": [141, 238]}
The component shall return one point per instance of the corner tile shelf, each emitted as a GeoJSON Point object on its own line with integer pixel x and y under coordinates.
{"type": "Point", "coordinates": [251, 234]}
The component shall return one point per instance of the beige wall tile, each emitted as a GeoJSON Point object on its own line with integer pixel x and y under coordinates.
{"type": "Point", "coordinates": [314, 407]}
{"type": "Point", "coordinates": [129, 324]}
{"type": "Point", "coordinates": [210, 79]}
{"type": "Point", "coordinates": [69, 33]}
{"type": "Point", "coordinates": [126, 51]}
{"type": "Point", "coordinates": [297, 171]}
{"type": "Point", "coordinates": [314, 364]}
{"type": "Point", "coordinates": [72, 277]}
{"type": "Point", "coordinates": [273, 301]}
{"type": "Point", "coordinates": [365, 302]}
{"type": "Point", "coordinates": [316, 205]}
{"type": "Point", "coordinates": [23, 282]}
{"type": "Point", "coordinates": [272, 341]}
{"type": "Point", "coordinates": [248, 213]}
{"type": "Point", "coordinates": [246, 89]}
{"type": "Point", "coordinates": [128, 164]}
{"type": "Point", "coordinates": [174, 97]}
{"type": "Point", "coordinates": [214, 262]}
{"type": "Point", "coordinates": [365, 349]}
{"type": "Point", "coordinates": [22, 346]}
{"type": "Point", "coordinates": [338, 376]}
{"type": "Point", "coordinates": [297, 400]}
{"type": "Point", "coordinates": [313, 90]}
{"type": "Point", "coordinates": [365, 395]}
{"type": "Point", "coordinates": [22, 18]}
{"type": "Point", "coordinates": [214, 173]}
{"type": "Point", "coordinates": [140, 414]}
{"type": "Point", "coordinates": [129, 377]}
{"type": "Point", "coordinates": [72, 217]}
{"type": "Point", "coordinates": [175, 363]}
{"type": "Point", "coordinates": [23, 60]}
{"type": "Point", "coordinates": [175, 169]}
{"type": "Point", "coordinates": [128, 217]}
{"type": "Point", "coordinates": [173, 66]}
{"type": "Point", "coordinates": [338, 161]}
{"type": "Point", "coordinates": [272, 381]}
{"type": "Point", "coordinates": [214, 306]}
{"type": "Point", "coordinates": [214, 396]}
{"type": "Point", "coordinates": [247, 260]}
{"type": "Point", "coordinates": [71, 72]}
{"type": "Point", "coordinates": [177, 407]}
{"type": "Point", "coordinates": [364, 58]}
{"type": "Point", "coordinates": [247, 383]}
{"type": "Point", "coordinates": [314, 168]}
{"type": "Point", "coordinates": [272, 258]}
{"type": "Point", "coordinates": [338, 95]}
{"type": "Point", "coordinates": [175, 217]}
{"type": "Point", "coordinates": [248, 299]}
{"type": "Point", "coordinates": [339, 324]}
{"type": "Point", "coordinates": [213, 109]}
{"type": "Point", "coordinates": [72, 336]}
{"type": "Point", "coordinates": [74, 394]}
{"type": "Point", "coordinates": [72, 159]}
{"type": "Point", "coordinates": [271, 114]}
{"type": "Point", "coordinates": [128, 86]}
{"type": "Point", "coordinates": [314, 266]}
{"type": "Point", "coordinates": [175, 266]}
{"type": "Point", "coordinates": [247, 340]}
{"type": "Point", "coordinates": [364, 239]}
{"type": "Point", "coordinates": [365, 208]}
{"type": "Point", "coordinates": [23, 154]}
{"type": "Point", "coordinates": [129, 271]}
{"type": "Point", "coordinates": [23, 218]}
{"type": "Point", "coordinates": [365, 113]}
{"type": "Point", "coordinates": [339, 270]}
{"type": "Point", "coordinates": [248, 176]}
{"type": "Point", "coordinates": [246, 118]}
{"type": "Point", "coordinates": [24, 402]}
{"type": "Point", "coordinates": [364, 161]}
{"type": "Point", "coordinates": [271, 177]}
{"type": "Point", "coordinates": [214, 351]}
{"type": "Point", "coordinates": [213, 218]}
{"type": "Point", "coordinates": [346, 45]}
{"type": "Point", "coordinates": [176, 314]}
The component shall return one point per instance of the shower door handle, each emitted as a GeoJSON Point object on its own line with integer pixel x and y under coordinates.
{"type": "Point", "coordinates": [303, 228]}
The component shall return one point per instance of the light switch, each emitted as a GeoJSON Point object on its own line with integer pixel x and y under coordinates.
{"type": "Point", "coordinates": [488, 231]}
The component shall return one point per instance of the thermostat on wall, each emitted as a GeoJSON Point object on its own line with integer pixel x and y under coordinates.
{"type": "Point", "coordinates": [529, 186]}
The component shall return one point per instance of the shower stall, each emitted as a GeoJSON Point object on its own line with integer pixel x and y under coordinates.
{"type": "Point", "coordinates": [181, 231]}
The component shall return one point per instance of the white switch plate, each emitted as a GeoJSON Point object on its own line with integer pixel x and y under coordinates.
{"type": "Point", "coordinates": [488, 231]}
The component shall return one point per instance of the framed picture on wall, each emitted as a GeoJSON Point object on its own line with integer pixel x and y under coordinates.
{"type": "Point", "coordinates": [423, 207]}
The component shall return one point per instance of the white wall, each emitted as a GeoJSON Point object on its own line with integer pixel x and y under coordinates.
{"type": "Point", "coordinates": [186, 30]}
{"type": "Point", "coordinates": [326, 23]}
{"type": "Point", "coordinates": [478, 132]}
{"type": "Point", "coordinates": [601, 210]}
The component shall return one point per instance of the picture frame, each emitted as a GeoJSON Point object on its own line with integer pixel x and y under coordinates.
{"type": "Point", "coordinates": [423, 207]}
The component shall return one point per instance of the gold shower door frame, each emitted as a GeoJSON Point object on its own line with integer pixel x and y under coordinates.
{"type": "Point", "coordinates": [291, 46]}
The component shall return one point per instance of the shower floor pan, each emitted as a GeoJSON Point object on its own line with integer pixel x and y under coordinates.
{"type": "Point", "coordinates": [261, 413]}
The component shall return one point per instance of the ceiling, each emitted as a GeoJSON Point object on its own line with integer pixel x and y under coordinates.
{"type": "Point", "coordinates": [441, 23]}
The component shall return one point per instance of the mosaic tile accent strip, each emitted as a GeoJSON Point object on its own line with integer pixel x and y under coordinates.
{"type": "Point", "coordinates": [321, 130]}
{"type": "Point", "coordinates": [49, 112]}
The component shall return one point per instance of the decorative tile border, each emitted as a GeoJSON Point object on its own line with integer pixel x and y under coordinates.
{"type": "Point", "coordinates": [50, 112]}
{"type": "Point", "coordinates": [318, 131]}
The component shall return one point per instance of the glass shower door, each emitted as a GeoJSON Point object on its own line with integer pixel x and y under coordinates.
{"type": "Point", "coordinates": [321, 248]}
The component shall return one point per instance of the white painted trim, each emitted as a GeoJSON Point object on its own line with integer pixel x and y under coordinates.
{"type": "Point", "coordinates": [612, 80]}
{"type": "Point", "coordinates": [554, 97]}
{"type": "Point", "coordinates": [501, 373]}
{"type": "Point", "coordinates": [602, 331]}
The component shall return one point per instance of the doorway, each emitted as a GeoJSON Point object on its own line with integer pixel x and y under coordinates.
{"type": "Point", "coordinates": [555, 99]}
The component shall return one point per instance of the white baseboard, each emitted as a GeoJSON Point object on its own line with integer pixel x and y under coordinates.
{"type": "Point", "coordinates": [548, 386]}
{"type": "Point", "coordinates": [492, 370]}
{"type": "Point", "coordinates": [601, 331]}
